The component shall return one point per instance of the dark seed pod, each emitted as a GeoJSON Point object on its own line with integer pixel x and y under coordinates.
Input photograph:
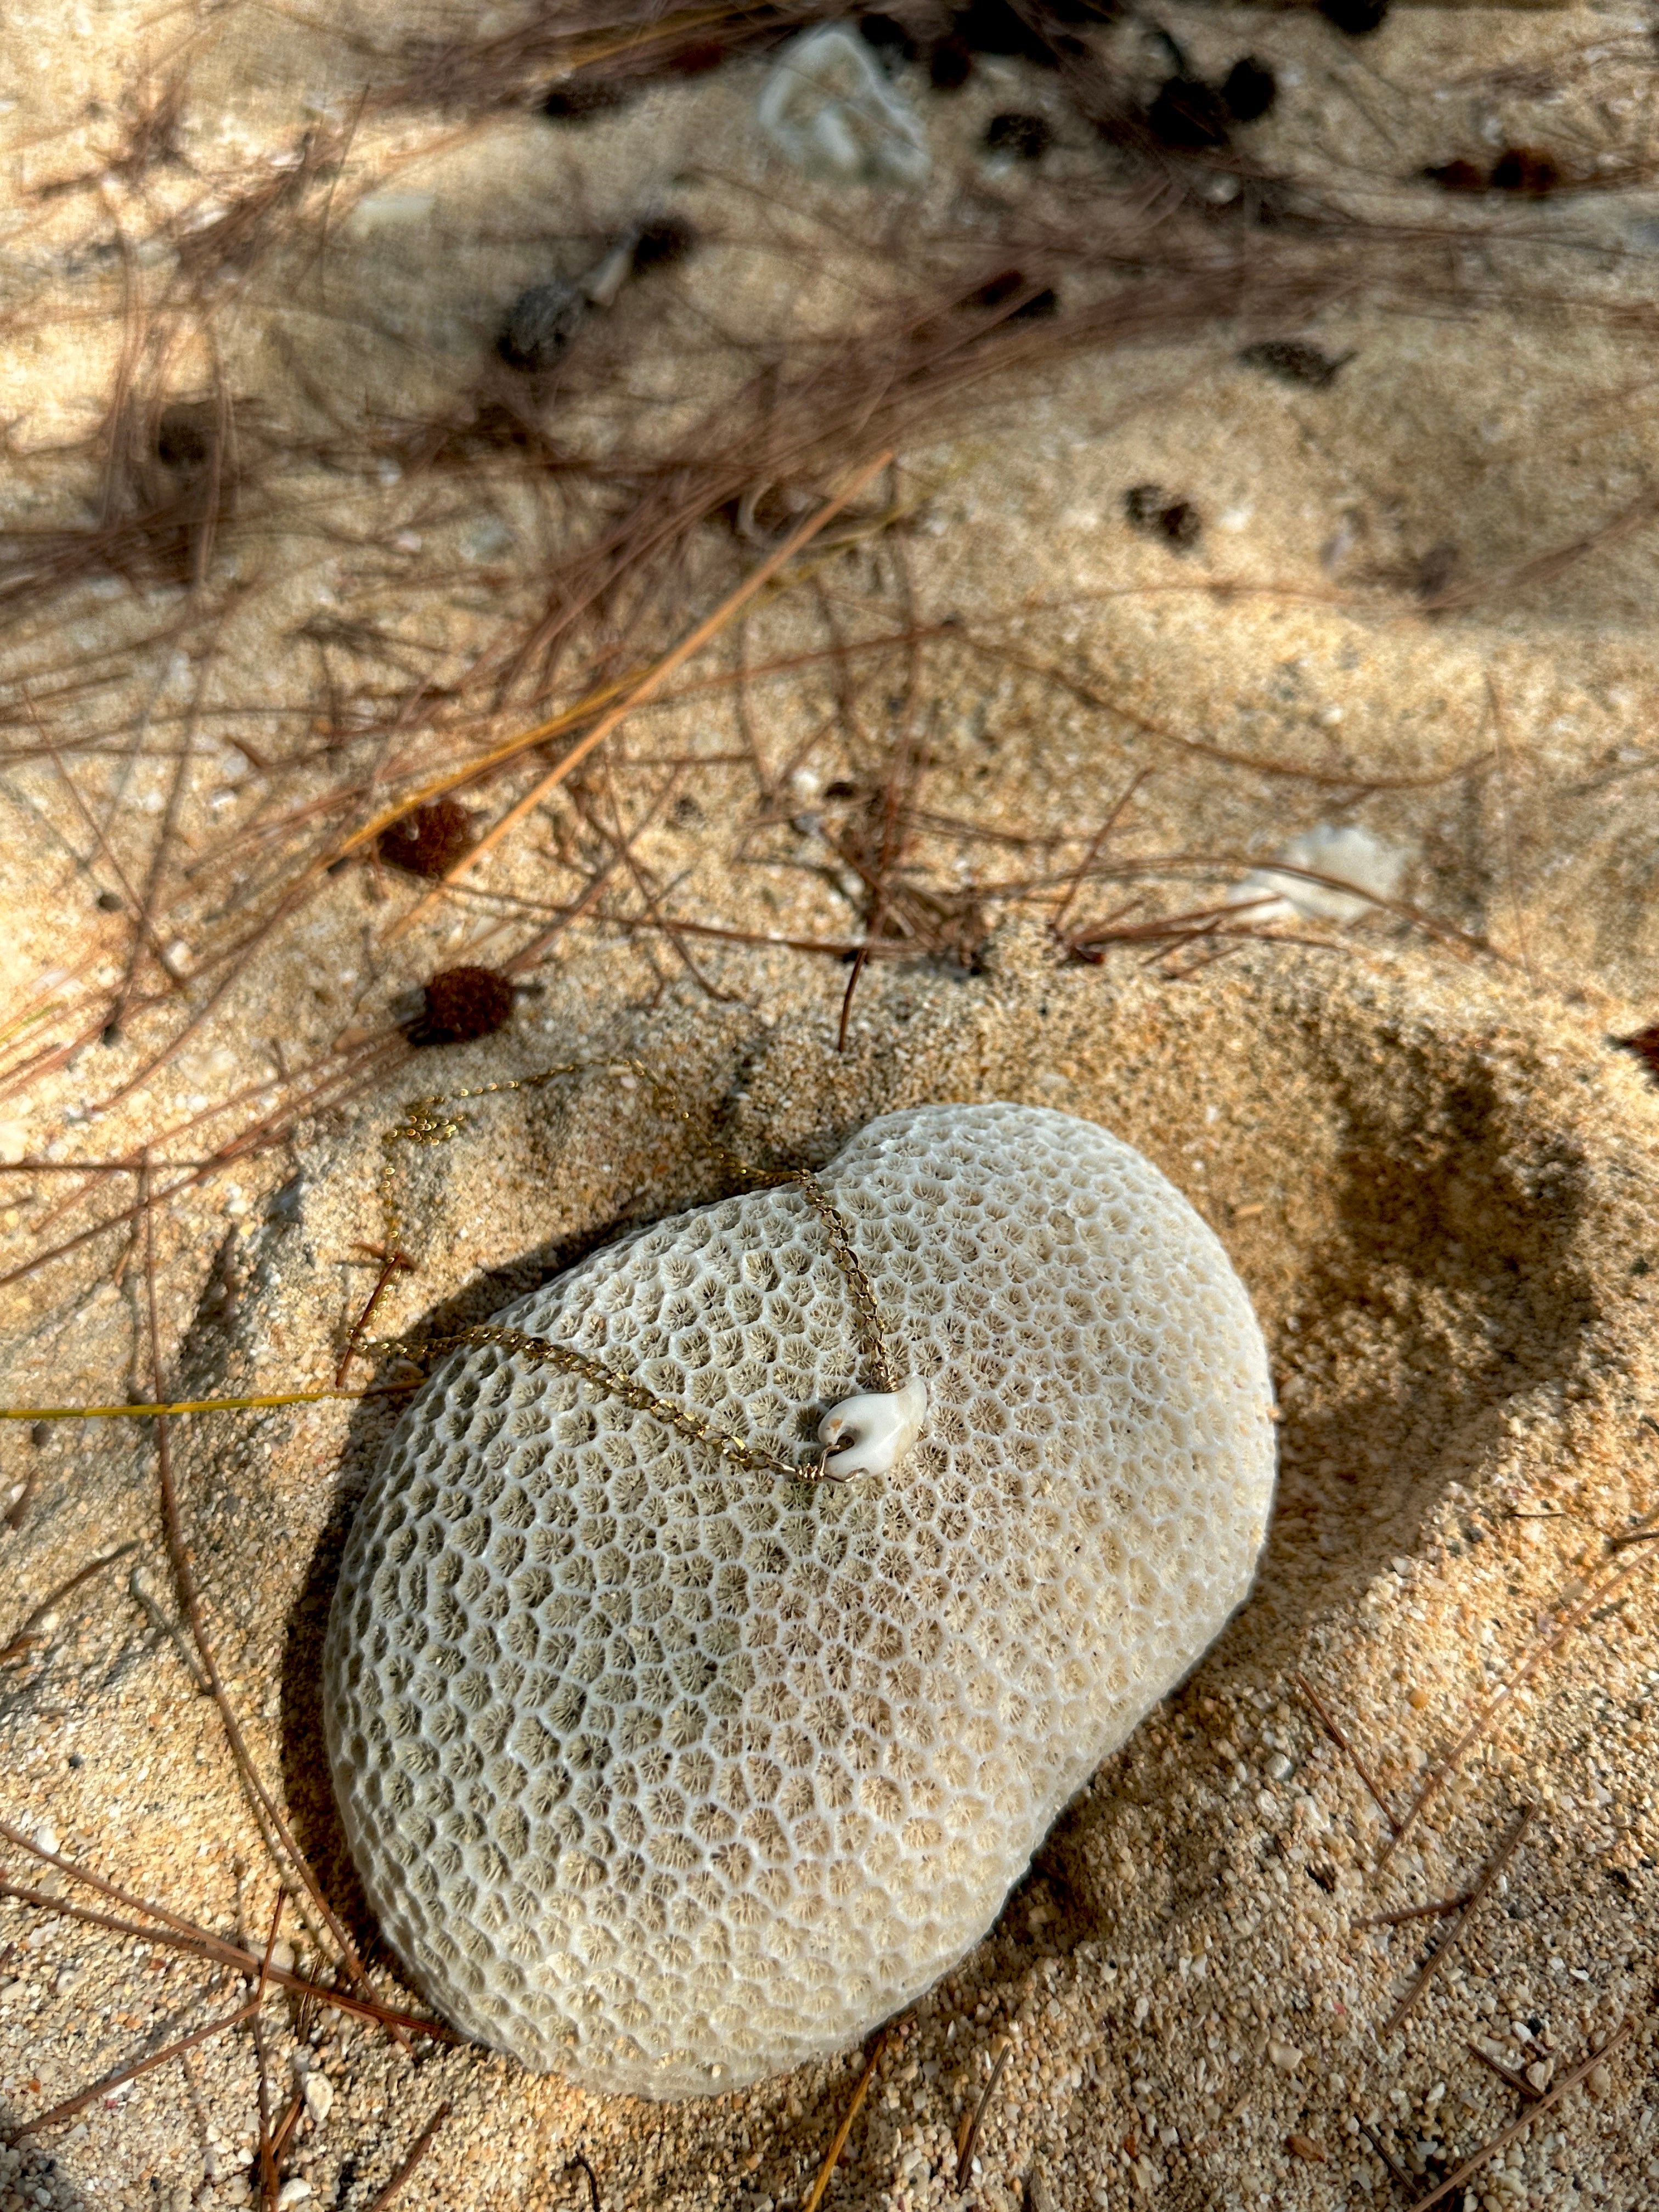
{"type": "Point", "coordinates": [1250, 91]}
{"type": "Point", "coordinates": [429, 840]}
{"type": "Point", "coordinates": [889, 37]}
{"type": "Point", "coordinates": [1457, 177]}
{"type": "Point", "coordinates": [993, 27]}
{"type": "Point", "coordinates": [578, 98]}
{"type": "Point", "coordinates": [1292, 362]}
{"type": "Point", "coordinates": [462, 1005]}
{"type": "Point", "coordinates": [186, 436]}
{"type": "Point", "coordinates": [1150, 510]}
{"type": "Point", "coordinates": [1188, 115]}
{"type": "Point", "coordinates": [1004, 287]}
{"type": "Point", "coordinates": [949, 64]}
{"type": "Point", "coordinates": [663, 241]}
{"type": "Point", "coordinates": [1027, 138]}
{"type": "Point", "coordinates": [1524, 169]}
{"type": "Point", "coordinates": [1646, 1046]}
{"type": "Point", "coordinates": [1181, 525]}
{"type": "Point", "coordinates": [1358, 19]}
{"type": "Point", "coordinates": [540, 325]}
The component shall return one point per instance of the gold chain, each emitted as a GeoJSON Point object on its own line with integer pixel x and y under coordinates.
{"type": "Point", "coordinates": [429, 1121]}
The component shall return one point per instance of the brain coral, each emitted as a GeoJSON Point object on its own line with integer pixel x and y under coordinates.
{"type": "Point", "coordinates": [667, 1777]}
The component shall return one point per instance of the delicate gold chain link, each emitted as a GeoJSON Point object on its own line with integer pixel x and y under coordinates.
{"type": "Point", "coordinates": [427, 1122]}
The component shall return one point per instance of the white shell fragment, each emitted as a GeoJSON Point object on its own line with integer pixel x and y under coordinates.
{"type": "Point", "coordinates": [827, 107]}
{"type": "Point", "coordinates": [1351, 854]}
{"type": "Point", "coordinates": [878, 1428]}
{"type": "Point", "coordinates": [668, 1776]}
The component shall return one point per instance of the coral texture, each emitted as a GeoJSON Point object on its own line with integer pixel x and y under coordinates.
{"type": "Point", "coordinates": [667, 1778]}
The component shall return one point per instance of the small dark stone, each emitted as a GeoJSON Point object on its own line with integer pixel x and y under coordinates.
{"type": "Point", "coordinates": [462, 1005]}
{"type": "Point", "coordinates": [184, 436]}
{"type": "Point", "coordinates": [540, 325]}
{"type": "Point", "coordinates": [1250, 91]}
{"type": "Point", "coordinates": [664, 240]}
{"type": "Point", "coordinates": [1357, 18]}
{"type": "Point", "coordinates": [1188, 115]}
{"type": "Point", "coordinates": [1027, 138]}
{"type": "Point", "coordinates": [110, 1036]}
{"type": "Point", "coordinates": [1524, 169]}
{"type": "Point", "coordinates": [949, 64]}
{"type": "Point", "coordinates": [110, 902]}
{"type": "Point", "coordinates": [429, 840]}
{"type": "Point", "coordinates": [1458, 176]}
{"type": "Point", "coordinates": [40, 1434]}
{"type": "Point", "coordinates": [1292, 362]}
{"type": "Point", "coordinates": [578, 98]}
{"type": "Point", "coordinates": [840, 789]}
{"type": "Point", "coordinates": [890, 38]}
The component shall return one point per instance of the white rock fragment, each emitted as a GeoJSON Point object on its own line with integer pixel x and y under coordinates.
{"type": "Point", "coordinates": [1348, 853]}
{"type": "Point", "coordinates": [877, 1429]}
{"type": "Point", "coordinates": [665, 1775]}
{"type": "Point", "coordinates": [318, 2096]}
{"type": "Point", "coordinates": [14, 1143]}
{"type": "Point", "coordinates": [829, 109]}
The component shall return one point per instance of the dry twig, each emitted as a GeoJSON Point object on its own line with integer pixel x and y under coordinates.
{"type": "Point", "coordinates": [419, 2150]}
{"type": "Point", "coordinates": [831, 2157]}
{"type": "Point", "coordinates": [972, 2122]}
{"type": "Point", "coordinates": [1455, 1934]}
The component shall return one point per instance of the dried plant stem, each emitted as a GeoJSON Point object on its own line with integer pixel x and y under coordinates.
{"type": "Point", "coordinates": [70, 2105]}
{"type": "Point", "coordinates": [267, 2153]}
{"type": "Point", "coordinates": [1516, 2081]}
{"type": "Point", "coordinates": [1441, 1905]}
{"type": "Point", "coordinates": [419, 2150]}
{"type": "Point", "coordinates": [1455, 1934]}
{"type": "Point", "coordinates": [198, 1942]}
{"type": "Point", "coordinates": [651, 683]}
{"type": "Point", "coordinates": [1545, 1649]}
{"type": "Point", "coordinates": [832, 2157]}
{"type": "Point", "coordinates": [1385, 2154]}
{"type": "Point", "coordinates": [189, 1598]}
{"type": "Point", "coordinates": [577, 2158]}
{"type": "Point", "coordinates": [146, 1412]}
{"type": "Point", "coordinates": [969, 2134]}
{"type": "Point", "coordinates": [1329, 1725]}
{"type": "Point", "coordinates": [26, 1637]}
{"type": "Point", "coordinates": [1524, 2119]}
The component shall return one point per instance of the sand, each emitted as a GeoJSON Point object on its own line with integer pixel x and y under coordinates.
{"type": "Point", "coordinates": [1432, 1171]}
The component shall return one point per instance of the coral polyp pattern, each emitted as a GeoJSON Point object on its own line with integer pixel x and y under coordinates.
{"type": "Point", "coordinates": [667, 1777]}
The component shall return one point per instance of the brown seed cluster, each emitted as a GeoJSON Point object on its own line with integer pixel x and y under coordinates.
{"type": "Point", "coordinates": [429, 840]}
{"type": "Point", "coordinates": [462, 1005]}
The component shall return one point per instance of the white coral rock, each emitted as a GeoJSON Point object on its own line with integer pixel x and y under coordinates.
{"type": "Point", "coordinates": [667, 1777]}
{"type": "Point", "coordinates": [827, 107]}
